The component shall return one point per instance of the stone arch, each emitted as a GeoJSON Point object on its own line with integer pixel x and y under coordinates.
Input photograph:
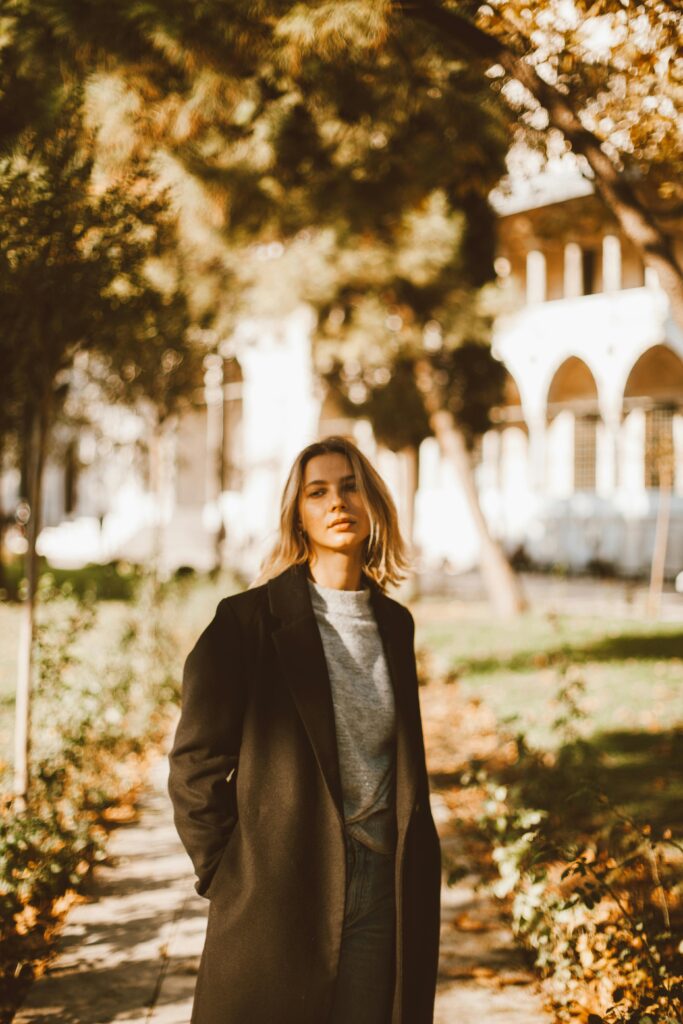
{"type": "Point", "coordinates": [656, 377]}
{"type": "Point", "coordinates": [511, 411]}
{"type": "Point", "coordinates": [505, 446]}
{"type": "Point", "coordinates": [572, 386]}
{"type": "Point", "coordinates": [573, 413]}
{"type": "Point", "coordinates": [653, 396]}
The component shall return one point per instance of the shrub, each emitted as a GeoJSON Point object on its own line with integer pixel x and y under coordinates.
{"type": "Point", "coordinates": [98, 712]}
{"type": "Point", "coordinates": [595, 895]}
{"type": "Point", "coordinates": [110, 581]}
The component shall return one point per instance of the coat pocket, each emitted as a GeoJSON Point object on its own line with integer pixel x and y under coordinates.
{"type": "Point", "coordinates": [212, 888]}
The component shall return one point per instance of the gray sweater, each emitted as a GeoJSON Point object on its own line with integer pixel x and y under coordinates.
{"type": "Point", "coordinates": [363, 698]}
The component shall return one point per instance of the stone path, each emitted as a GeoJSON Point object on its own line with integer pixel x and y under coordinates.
{"type": "Point", "coordinates": [482, 976]}
{"type": "Point", "coordinates": [131, 951]}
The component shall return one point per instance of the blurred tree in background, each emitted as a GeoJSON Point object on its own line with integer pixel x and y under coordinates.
{"type": "Point", "coordinates": [72, 279]}
{"type": "Point", "coordinates": [313, 121]}
{"type": "Point", "coordinates": [604, 77]}
{"type": "Point", "coordinates": [360, 139]}
{"type": "Point", "coordinates": [600, 74]}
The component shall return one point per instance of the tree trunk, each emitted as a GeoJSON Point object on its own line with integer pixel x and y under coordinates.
{"type": "Point", "coordinates": [410, 467]}
{"type": "Point", "coordinates": [3, 526]}
{"type": "Point", "coordinates": [635, 220]}
{"type": "Point", "coordinates": [501, 583]}
{"type": "Point", "coordinates": [654, 596]}
{"type": "Point", "coordinates": [22, 735]}
{"type": "Point", "coordinates": [215, 452]}
{"type": "Point", "coordinates": [409, 462]}
{"type": "Point", "coordinates": [156, 481]}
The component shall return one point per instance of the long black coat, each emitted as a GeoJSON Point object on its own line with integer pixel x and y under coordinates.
{"type": "Point", "coordinates": [255, 785]}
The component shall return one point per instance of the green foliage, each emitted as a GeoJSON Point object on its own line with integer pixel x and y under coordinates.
{"type": "Point", "coordinates": [111, 581]}
{"type": "Point", "coordinates": [323, 120]}
{"type": "Point", "coordinates": [472, 382]}
{"type": "Point", "coordinates": [470, 379]}
{"type": "Point", "coordinates": [389, 397]}
{"type": "Point", "coordinates": [595, 894]}
{"type": "Point", "coordinates": [96, 719]}
{"type": "Point", "coordinates": [71, 258]}
{"type": "Point", "coordinates": [297, 116]}
{"type": "Point", "coordinates": [618, 65]}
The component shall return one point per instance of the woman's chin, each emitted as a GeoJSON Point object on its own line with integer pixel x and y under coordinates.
{"type": "Point", "coordinates": [346, 542]}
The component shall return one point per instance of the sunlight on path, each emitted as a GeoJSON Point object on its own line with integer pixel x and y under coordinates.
{"type": "Point", "coordinates": [131, 952]}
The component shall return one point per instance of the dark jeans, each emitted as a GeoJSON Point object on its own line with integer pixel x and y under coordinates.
{"type": "Point", "coordinates": [365, 982]}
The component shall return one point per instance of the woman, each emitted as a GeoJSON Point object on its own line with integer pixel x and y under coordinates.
{"type": "Point", "coordinates": [298, 776]}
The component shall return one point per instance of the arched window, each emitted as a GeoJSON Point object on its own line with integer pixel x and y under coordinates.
{"type": "Point", "coordinates": [573, 390]}
{"type": "Point", "coordinates": [658, 463]}
{"type": "Point", "coordinates": [655, 384]}
{"type": "Point", "coordinates": [585, 452]}
{"type": "Point", "coordinates": [513, 432]}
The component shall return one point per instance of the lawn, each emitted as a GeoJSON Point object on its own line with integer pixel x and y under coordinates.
{"type": "Point", "coordinates": [633, 670]}
{"type": "Point", "coordinates": [632, 697]}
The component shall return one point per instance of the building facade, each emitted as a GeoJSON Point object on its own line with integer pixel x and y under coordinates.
{"type": "Point", "coordinates": [586, 448]}
{"type": "Point", "coordinates": [590, 441]}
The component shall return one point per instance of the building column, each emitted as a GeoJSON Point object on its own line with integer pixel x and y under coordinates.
{"type": "Point", "coordinates": [607, 482]}
{"type": "Point", "coordinates": [213, 396]}
{"type": "Point", "coordinates": [573, 270]}
{"type": "Point", "coordinates": [537, 449]}
{"type": "Point", "coordinates": [611, 263]}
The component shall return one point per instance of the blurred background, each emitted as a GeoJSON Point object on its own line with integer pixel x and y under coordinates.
{"type": "Point", "coordinates": [452, 232]}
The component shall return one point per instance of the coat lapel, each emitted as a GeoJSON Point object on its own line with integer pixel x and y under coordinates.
{"type": "Point", "coordinates": [400, 656]}
{"type": "Point", "coordinates": [302, 658]}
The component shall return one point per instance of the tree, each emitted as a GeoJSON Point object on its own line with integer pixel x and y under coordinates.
{"type": "Point", "coordinates": [614, 102]}
{"type": "Point", "coordinates": [389, 397]}
{"type": "Point", "coordinates": [322, 123]}
{"type": "Point", "coordinates": [72, 278]}
{"type": "Point", "coordinates": [599, 73]}
{"type": "Point", "coordinates": [413, 310]}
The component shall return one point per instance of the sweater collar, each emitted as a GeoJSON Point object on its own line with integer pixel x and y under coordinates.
{"type": "Point", "coordinates": [290, 596]}
{"type": "Point", "coordinates": [354, 603]}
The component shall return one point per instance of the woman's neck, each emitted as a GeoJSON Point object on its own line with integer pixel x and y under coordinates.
{"type": "Point", "coordinates": [337, 573]}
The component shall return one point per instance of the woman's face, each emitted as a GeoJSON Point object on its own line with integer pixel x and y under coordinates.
{"type": "Point", "coordinates": [330, 507]}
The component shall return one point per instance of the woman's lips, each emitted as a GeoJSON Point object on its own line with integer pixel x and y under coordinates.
{"type": "Point", "coordinates": [345, 524]}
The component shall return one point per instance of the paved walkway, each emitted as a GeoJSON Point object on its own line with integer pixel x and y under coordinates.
{"type": "Point", "coordinates": [131, 951]}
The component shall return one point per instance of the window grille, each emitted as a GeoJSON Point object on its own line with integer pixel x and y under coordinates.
{"type": "Point", "coordinates": [659, 446]}
{"type": "Point", "coordinates": [585, 438]}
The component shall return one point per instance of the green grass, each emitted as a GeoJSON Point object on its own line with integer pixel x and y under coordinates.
{"type": "Point", "coordinates": [632, 701]}
{"type": "Point", "coordinates": [633, 671]}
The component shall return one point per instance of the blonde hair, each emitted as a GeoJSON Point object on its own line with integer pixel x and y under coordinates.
{"type": "Point", "coordinates": [385, 558]}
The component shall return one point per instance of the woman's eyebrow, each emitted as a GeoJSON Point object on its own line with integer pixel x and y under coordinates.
{"type": "Point", "coordinates": [349, 476]}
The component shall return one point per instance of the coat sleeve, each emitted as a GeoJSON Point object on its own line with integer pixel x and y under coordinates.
{"type": "Point", "coordinates": [206, 745]}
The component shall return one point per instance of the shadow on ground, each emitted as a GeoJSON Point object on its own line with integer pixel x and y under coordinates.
{"type": "Point", "coordinates": [639, 646]}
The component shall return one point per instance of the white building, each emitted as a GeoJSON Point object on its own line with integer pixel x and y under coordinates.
{"type": "Point", "coordinates": [593, 422]}
{"type": "Point", "coordinates": [569, 475]}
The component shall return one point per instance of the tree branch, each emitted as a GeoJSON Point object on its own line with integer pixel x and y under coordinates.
{"type": "Point", "coordinates": [635, 219]}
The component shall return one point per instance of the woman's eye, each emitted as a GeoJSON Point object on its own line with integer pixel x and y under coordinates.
{"type": "Point", "coordinates": [351, 486]}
